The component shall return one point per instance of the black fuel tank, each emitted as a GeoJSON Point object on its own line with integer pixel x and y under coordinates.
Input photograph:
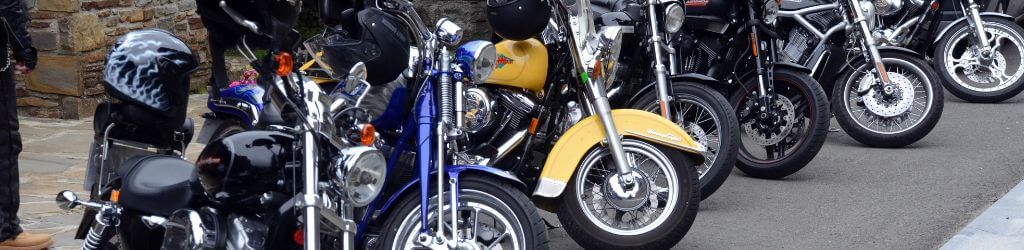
{"type": "Point", "coordinates": [244, 165]}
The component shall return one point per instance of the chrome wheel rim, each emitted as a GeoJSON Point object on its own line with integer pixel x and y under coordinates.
{"type": "Point", "coordinates": [701, 124]}
{"type": "Point", "coordinates": [964, 66]}
{"type": "Point", "coordinates": [482, 227]}
{"type": "Point", "coordinates": [661, 181]}
{"type": "Point", "coordinates": [873, 116]}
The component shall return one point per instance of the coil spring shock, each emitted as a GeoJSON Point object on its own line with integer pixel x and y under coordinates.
{"type": "Point", "coordinates": [446, 87]}
{"type": "Point", "coordinates": [107, 219]}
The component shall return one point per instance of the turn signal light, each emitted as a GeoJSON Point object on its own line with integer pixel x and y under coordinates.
{"type": "Point", "coordinates": [368, 135]}
{"type": "Point", "coordinates": [284, 63]}
{"type": "Point", "coordinates": [115, 195]}
{"type": "Point", "coordinates": [298, 237]}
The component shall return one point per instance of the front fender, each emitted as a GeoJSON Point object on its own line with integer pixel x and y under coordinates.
{"type": "Point", "coordinates": [673, 80]}
{"type": "Point", "coordinates": [570, 149]}
{"type": "Point", "coordinates": [964, 19]}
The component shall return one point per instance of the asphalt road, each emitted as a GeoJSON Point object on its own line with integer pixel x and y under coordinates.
{"type": "Point", "coordinates": [852, 196]}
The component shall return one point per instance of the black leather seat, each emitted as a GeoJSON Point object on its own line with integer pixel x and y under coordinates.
{"type": "Point", "coordinates": [158, 184]}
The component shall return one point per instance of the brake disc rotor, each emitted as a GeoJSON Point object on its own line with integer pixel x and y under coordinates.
{"type": "Point", "coordinates": [899, 103]}
{"type": "Point", "coordinates": [784, 118]}
{"type": "Point", "coordinates": [986, 74]}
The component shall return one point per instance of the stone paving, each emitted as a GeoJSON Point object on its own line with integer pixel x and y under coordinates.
{"type": "Point", "coordinates": [54, 159]}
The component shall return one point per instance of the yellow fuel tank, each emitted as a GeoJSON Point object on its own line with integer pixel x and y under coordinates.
{"type": "Point", "coordinates": [521, 64]}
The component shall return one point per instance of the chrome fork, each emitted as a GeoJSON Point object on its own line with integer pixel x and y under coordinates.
{"type": "Point", "coordinates": [660, 72]}
{"type": "Point", "coordinates": [979, 28]}
{"type": "Point", "coordinates": [870, 46]}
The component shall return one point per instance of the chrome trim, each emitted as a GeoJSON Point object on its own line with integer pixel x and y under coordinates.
{"type": "Point", "coordinates": [549, 188]}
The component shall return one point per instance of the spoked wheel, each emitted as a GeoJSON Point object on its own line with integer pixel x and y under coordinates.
{"type": "Point", "coordinates": [780, 140]}
{"type": "Point", "coordinates": [979, 76]}
{"type": "Point", "coordinates": [654, 212]}
{"type": "Point", "coordinates": [707, 117]}
{"type": "Point", "coordinates": [492, 214]}
{"type": "Point", "coordinates": [893, 116]}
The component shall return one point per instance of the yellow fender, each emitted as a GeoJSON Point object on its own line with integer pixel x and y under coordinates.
{"type": "Point", "coordinates": [570, 149]}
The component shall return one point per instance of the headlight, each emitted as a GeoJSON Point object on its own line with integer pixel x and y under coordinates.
{"type": "Point", "coordinates": [888, 7]}
{"type": "Point", "coordinates": [771, 11]}
{"type": "Point", "coordinates": [477, 59]}
{"type": "Point", "coordinates": [359, 172]}
{"type": "Point", "coordinates": [674, 16]}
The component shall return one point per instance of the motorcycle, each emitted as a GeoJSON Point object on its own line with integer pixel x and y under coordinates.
{"type": "Point", "coordinates": [978, 56]}
{"type": "Point", "coordinates": [882, 96]}
{"type": "Point", "coordinates": [617, 178]}
{"type": "Point", "coordinates": [688, 99]}
{"type": "Point", "coordinates": [297, 185]}
{"type": "Point", "coordinates": [782, 111]}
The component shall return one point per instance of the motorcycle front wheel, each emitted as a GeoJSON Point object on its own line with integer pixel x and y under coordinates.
{"type": "Point", "coordinates": [898, 119]}
{"type": "Point", "coordinates": [492, 214]}
{"type": "Point", "coordinates": [658, 212]}
{"type": "Point", "coordinates": [966, 75]}
{"type": "Point", "coordinates": [780, 140]}
{"type": "Point", "coordinates": [707, 117]}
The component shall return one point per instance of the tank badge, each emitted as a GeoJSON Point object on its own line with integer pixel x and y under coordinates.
{"type": "Point", "coordinates": [502, 60]}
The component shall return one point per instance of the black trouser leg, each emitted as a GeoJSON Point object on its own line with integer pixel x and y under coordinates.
{"type": "Point", "coordinates": [10, 146]}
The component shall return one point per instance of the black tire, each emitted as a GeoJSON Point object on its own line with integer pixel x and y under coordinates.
{"type": "Point", "coordinates": [675, 225]}
{"type": "Point", "coordinates": [898, 136]}
{"type": "Point", "coordinates": [811, 104]}
{"type": "Point", "coordinates": [493, 192]}
{"type": "Point", "coordinates": [722, 115]}
{"type": "Point", "coordinates": [947, 44]}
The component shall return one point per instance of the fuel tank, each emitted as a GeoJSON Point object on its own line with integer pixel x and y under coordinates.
{"type": "Point", "coordinates": [244, 165]}
{"type": "Point", "coordinates": [520, 64]}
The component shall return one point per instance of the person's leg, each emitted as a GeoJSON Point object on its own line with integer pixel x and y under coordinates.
{"type": "Point", "coordinates": [10, 146]}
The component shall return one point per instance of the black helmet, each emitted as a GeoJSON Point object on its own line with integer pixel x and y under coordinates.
{"type": "Point", "coordinates": [150, 69]}
{"type": "Point", "coordinates": [378, 39]}
{"type": "Point", "coordinates": [518, 19]}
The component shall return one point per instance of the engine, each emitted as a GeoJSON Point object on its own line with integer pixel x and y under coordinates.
{"type": "Point", "coordinates": [496, 120]}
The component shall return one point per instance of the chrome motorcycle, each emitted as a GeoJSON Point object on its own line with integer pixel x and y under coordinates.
{"type": "Point", "coordinates": [979, 56]}
{"type": "Point", "coordinates": [649, 79]}
{"type": "Point", "coordinates": [882, 96]}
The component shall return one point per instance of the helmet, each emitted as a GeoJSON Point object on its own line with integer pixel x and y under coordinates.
{"type": "Point", "coordinates": [378, 39]}
{"type": "Point", "coordinates": [518, 19]}
{"type": "Point", "coordinates": [150, 69]}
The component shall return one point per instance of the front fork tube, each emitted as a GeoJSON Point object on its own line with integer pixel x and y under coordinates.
{"type": "Point", "coordinates": [869, 43]}
{"type": "Point", "coordinates": [974, 19]}
{"type": "Point", "coordinates": [658, 42]}
{"type": "Point", "coordinates": [604, 112]}
{"type": "Point", "coordinates": [765, 88]}
{"type": "Point", "coordinates": [311, 217]}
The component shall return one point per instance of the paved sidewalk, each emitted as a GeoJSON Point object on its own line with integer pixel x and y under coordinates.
{"type": "Point", "coordinates": [1001, 226]}
{"type": "Point", "coordinates": [54, 159]}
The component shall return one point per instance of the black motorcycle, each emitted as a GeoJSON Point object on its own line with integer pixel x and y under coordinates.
{"type": "Point", "coordinates": [782, 111]}
{"type": "Point", "coordinates": [650, 80]}
{"type": "Point", "coordinates": [882, 96]}
{"type": "Point", "coordinates": [978, 55]}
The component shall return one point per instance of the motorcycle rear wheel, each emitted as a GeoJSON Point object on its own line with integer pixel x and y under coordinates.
{"type": "Point", "coordinates": [893, 131]}
{"type": "Point", "coordinates": [706, 115]}
{"type": "Point", "coordinates": [963, 77]}
{"type": "Point", "coordinates": [774, 157]}
{"type": "Point", "coordinates": [677, 201]}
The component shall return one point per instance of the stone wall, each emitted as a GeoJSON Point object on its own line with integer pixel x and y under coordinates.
{"type": "Point", "coordinates": [73, 37]}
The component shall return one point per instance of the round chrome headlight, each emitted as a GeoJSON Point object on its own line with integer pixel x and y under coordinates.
{"type": "Point", "coordinates": [479, 114]}
{"type": "Point", "coordinates": [477, 58]}
{"type": "Point", "coordinates": [359, 172]}
{"type": "Point", "coordinates": [674, 16]}
{"type": "Point", "coordinates": [771, 11]}
{"type": "Point", "coordinates": [888, 7]}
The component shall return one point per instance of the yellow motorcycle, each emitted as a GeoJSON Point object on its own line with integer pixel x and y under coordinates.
{"type": "Point", "coordinates": [617, 178]}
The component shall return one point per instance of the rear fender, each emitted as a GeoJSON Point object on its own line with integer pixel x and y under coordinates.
{"type": "Point", "coordinates": [570, 149]}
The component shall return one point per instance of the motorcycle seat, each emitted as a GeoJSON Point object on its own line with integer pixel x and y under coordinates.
{"type": "Point", "coordinates": [158, 184]}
